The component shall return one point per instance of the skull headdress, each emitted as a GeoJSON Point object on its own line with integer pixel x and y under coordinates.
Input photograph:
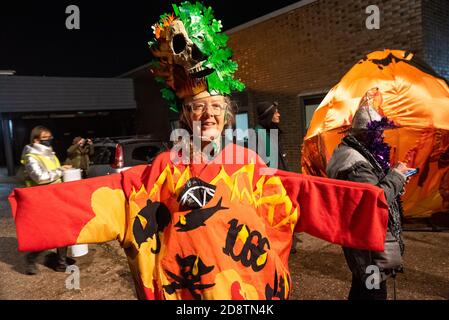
{"type": "Point", "coordinates": [192, 56]}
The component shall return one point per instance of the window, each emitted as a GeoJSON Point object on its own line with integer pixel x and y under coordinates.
{"type": "Point", "coordinates": [145, 153]}
{"type": "Point", "coordinates": [103, 155]}
{"type": "Point", "coordinates": [310, 109]}
{"type": "Point", "coordinates": [241, 124]}
{"type": "Point", "coordinates": [308, 104]}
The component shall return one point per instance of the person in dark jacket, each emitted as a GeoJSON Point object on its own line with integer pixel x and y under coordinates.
{"type": "Point", "coordinates": [363, 156]}
{"type": "Point", "coordinates": [268, 117]}
{"type": "Point", "coordinates": [79, 153]}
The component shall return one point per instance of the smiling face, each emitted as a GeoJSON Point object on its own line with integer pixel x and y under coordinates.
{"type": "Point", "coordinates": [209, 114]}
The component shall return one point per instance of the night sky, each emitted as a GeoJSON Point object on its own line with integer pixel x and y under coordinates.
{"type": "Point", "coordinates": [112, 38]}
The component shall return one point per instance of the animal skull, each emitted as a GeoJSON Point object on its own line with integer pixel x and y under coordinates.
{"type": "Point", "coordinates": [181, 61]}
{"type": "Point", "coordinates": [185, 52]}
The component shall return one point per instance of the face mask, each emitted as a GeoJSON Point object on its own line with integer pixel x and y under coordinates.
{"type": "Point", "coordinates": [46, 143]}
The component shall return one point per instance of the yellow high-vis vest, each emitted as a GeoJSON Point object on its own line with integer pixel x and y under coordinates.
{"type": "Point", "coordinates": [48, 163]}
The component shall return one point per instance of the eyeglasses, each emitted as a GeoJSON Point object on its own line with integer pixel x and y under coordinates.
{"type": "Point", "coordinates": [198, 108]}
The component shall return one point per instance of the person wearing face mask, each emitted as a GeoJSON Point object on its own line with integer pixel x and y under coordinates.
{"type": "Point", "coordinates": [42, 167]}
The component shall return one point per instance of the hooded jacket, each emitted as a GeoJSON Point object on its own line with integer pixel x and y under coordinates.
{"type": "Point", "coordinates": [41, 164]}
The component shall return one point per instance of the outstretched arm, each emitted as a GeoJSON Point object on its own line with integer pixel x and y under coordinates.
{"type": "Point", "coordinates": [85, 211]}
{"type": "Point", "coordinates": [346, 213]}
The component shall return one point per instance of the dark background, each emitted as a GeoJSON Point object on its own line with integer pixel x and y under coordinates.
{"type": "Point", "coordinates": [112, 39]}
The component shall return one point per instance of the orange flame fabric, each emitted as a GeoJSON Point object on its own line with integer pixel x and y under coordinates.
{"type": "Point", "coordinates": [234, 247]}
{"type": "Point", "coordinates": [416, 99]}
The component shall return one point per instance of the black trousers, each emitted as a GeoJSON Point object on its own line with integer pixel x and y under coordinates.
{"type": "Point", "coordinates": [31, 257]}
{"type": "Point", "coordinates": [359, 291]}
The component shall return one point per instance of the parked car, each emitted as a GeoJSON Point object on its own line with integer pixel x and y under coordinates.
{"type": "Point", "coordinates": [116, 154]}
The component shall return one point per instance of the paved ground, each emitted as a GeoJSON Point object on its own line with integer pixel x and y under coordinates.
{"type": "Point", "coordinates": [318, 269]}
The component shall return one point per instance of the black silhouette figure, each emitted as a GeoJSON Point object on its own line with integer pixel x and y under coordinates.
{"type": "Point", "coordinates": [197, 217]}
{"type": "Point", "coordinates": [279, 288]}
{"type": "Point", "coordinates": [158, 217]}
{"type": "Point", "coordinates": [192, 269]}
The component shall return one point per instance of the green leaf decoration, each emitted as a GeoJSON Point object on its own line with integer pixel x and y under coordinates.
{"type": "Point", "coordinates": [175, 9]}
{"type": "Point", "coordinates": [159, 80]}
{"type": "Point", "coordinates": [205, 32]}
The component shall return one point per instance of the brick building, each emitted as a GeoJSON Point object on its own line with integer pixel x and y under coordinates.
{"type": "Point", "coordinates": [296, 54]}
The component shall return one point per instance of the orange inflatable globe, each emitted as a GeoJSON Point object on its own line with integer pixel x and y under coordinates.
{"type": "Point", "coordinates": [416, 99]}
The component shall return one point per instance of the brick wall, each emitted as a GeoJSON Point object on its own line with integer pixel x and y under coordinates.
{"type": "Point", "coordinates": [436, 35]}
{"type": "Point", "coordinates": [309, 49]}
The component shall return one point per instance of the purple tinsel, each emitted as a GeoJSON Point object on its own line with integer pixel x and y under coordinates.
{"type": "Point", "coordinates": [375, 141]}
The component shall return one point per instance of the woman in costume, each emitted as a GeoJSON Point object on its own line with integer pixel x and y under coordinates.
{"type": "Point", "coordinates": [207, 220]}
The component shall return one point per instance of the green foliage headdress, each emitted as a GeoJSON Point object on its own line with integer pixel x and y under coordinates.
{"type": "Point", "coordinates": [192, 52]}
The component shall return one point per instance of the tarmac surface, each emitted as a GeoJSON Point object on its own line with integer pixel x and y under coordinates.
{"type": "Point", "coordinates": [319, 271]}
